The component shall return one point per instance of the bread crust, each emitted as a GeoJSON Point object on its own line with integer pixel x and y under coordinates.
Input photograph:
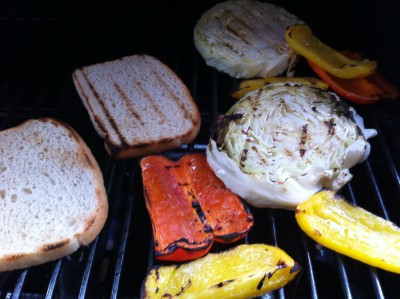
{"type": "Point", "coordinates": [131, 148]}
{"type": "Point", "coordinates": [92, 225]}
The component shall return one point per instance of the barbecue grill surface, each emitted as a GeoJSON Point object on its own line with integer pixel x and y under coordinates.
{"type": "Point", "coordinates": [42, 43]}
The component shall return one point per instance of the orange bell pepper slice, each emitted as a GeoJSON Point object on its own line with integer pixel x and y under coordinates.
{"type": "Point", "coordinates": [249, 85]}
{"type": "Point", "coordinates": [301, 39]}
{"type": "Point", "coordinates": [190, 207]}
{"type": "Point", "coordinates": [366, 90]}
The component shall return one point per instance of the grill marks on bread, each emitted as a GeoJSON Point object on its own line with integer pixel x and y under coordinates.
{"type": "Point", "coordinates": [137, 101]}
{"type": "Point", "coordinates": [103, 106]}
{"type": "Point", "coordinates": [52, 199]}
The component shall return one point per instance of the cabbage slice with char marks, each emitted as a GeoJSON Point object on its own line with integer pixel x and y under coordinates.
{"type": "Point", "coordinates": [280, 144]}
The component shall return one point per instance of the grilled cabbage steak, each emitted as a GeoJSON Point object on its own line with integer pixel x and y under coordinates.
{"type": "Point", "coordinates": [244, 271]}
{"type": "Point", "coordinates": [280, 144]}
{"type": "Point", "coordinates": [246, 39]}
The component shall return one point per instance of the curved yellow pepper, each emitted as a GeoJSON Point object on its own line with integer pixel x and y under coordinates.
{"type": "Point", "coordinates": [301, 39]}
{"type": "Point", "coordinates": [334, 223]}
{"type": "Point", "coordinates": [252, 84]}
{"type": "Point", "coordinates": [245, 271]}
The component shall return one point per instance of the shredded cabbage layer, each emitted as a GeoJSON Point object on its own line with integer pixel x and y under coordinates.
{"type": "Point", "coordinates": [280, 144]}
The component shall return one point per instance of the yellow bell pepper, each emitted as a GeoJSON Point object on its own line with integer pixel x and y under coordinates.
{"type": "Point", "coordinates": [334, 223]}
{"type": "Point", "coordinates": [249, 85]}
{"type": "Point", "coordinates": [245, 271]}
{"type": "Point", "coordinates": [301, 39]}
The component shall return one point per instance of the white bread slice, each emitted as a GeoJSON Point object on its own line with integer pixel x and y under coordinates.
{"type": "Point", "coordinates": [52, 195]}
{"type": "Point", "coordinates": [138, 105]}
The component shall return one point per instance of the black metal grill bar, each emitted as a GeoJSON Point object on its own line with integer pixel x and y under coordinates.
{"type": "Point", "coordinates": [53, 279]}
{"type": "Point", "coordinates": [378, 195]}
{"type": "Point", "coordinates": [376, 284]}
{"type": "Point", "coordinates": [83, 292]}
{"type": "Point", "coordinates": [308, 268]}
{"type": "Point", "coordinates": [387, 152]}
{"type": "Point", "coordinates": [344, 279]}
{"type": "Point", "coordinates": [19, 285]}
{"type": "Point", "coordinates": [123, 244]}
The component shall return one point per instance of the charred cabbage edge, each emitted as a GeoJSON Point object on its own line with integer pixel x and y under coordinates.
{"type": "Point", "coordinates": [291, 141]}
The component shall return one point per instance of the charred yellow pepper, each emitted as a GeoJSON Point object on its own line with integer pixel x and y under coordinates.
{"type": "Point", "coordinates": [249, 85]}
{"type": "Point", "coordinates": [244, 271]}
{"type": "Point", "coordinates": [350, 230]}
{"type": "Point", "coordinates": [301, 39]}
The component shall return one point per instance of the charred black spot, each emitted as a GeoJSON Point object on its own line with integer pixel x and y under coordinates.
{"type": "Point", "coordinates": [216, 129]}
{"type": "Point", "coordinates": [233, 116]}
{"type": "Point", "coordinates": [171, 166]}
{"type": "Point", "coordinates": [281, 264]}
{"type": "Point", "coordinates": [195, 204]}
{"type": "Point", "coordinates": [243, 156]}
{"type": "Point", "coordinates": [157, 275]}
{"type": "Point", "coordinates": [261, 282]}
{"type": "Point", "coordinates": [186, 245]}
{"type": "Point", "coordinates": [185, 287]}
{"type": "Point", "coordinates": [302, 152]}
{"type": "Point", "coordinates": [224, 283]}
{"type": "Point", "coordinates": [317, 232]}
{"type": "Point", "coordinates": [269, 274]}
{"type": "Point", "coordinates": [207, 228]}
{"type": "Point", "coordinates": [331, 126]}
{"type": "Point", "coordinates": [296, 267]}
{"type": "Point", "coordinates": [304, 135]}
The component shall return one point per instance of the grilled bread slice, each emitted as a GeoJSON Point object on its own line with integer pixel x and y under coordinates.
{"type": "Point", "coordinates": [138, 105]}
{"type": "Point", "coordinates": [52, 195]}
{"type": "Point", "coordinates": [246, 39]}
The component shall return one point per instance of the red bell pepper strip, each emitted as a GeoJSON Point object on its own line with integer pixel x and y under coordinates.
{"type": "Point", "coordinates": [366, 90]}
{"type": "Point", "coordinates": [229, 219]}
{"type": "Point", "coordinates": [190, 207]}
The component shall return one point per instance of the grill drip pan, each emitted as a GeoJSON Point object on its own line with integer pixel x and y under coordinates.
{"type": "Point", "coordinates": [43, 43]}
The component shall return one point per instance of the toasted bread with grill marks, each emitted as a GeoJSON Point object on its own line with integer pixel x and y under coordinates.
{"type": "Point", "coordinates": [138, 105]}
{"type": "Point", "coordinates": [52, 195]}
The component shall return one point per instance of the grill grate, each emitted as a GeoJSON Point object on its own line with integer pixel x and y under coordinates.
{"type": "Point", "coordinates": [42, 44]}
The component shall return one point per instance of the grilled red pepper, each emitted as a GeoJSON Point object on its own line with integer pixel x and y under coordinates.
{"type": "Point", "coordinates": [366, 90]}
{"type": "Point", "coordinates": [190, 207]}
